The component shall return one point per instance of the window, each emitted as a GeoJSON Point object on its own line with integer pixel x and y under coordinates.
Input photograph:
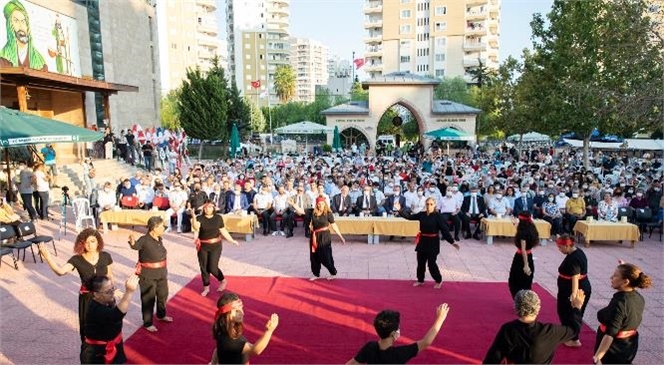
{"type": "Point", "coordinates": [246, 35]}
{"type": "Point", "coordinates": [405, 14]}
{"type": "Point", "coordinates": [248, 57]}
{"type": "Point", "coordinates": [440, 42]}
{"type": "Point", "coordinates": [174, 45]}
{"type": "Point", "coordinates": [405, 59]}
{"type": "Point", "coordinates": [248, 76]}
{"type": "Point", "coordinates": [441, 10]}
{"type": "Point", "coordinates": [441, 26]}
{"type": "Point", "coordinates": [440, 57]}
{"type": "Point", "coordinates": [440, 73]}
{"type": "Point", "coordinates": [405, 29]}
{"type": "Point", "coordinates": [405, 1]}
{"type": "Point", "coordinates": [405, 44]}
{"type": "Point", "coordinates": [247, 46]}
{"type": "Point", "coordinates": [248, 67]}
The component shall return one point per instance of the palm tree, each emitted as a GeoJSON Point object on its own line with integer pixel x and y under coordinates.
{"type": "Point", "coordinates": [481, 74]}
{"type": "Point", "coordinates": [284, 83]}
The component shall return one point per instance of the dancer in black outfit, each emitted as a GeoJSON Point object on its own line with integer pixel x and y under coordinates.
{"type": "Point", "coordinates": [152, 271]}
{"type": "Point", "coordinates": [383, 351]}
{"type": "Point", "coordinates": [572, 276]}
{"type": "Point", "coordinates": [617, 338]}
{"type": "Point", "coordinates": [227, 331]}
{"type": "Point", "coordinates": [103, 323]}
{"type": "Point", "coordinates": [428, 241]}
{"type": "Point", "coordinates": [528, 341]}
{"type": "Point", "coordinates": [208, 230]}
{"type": "Point", "coordinates": [89, 261]}
{"type": "Point", "coordinates": [320, 242]}
{"type": "Point", "coordinates": [523, 267]}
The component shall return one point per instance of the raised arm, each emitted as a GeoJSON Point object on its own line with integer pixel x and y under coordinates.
{"type": "Point", "coordinates": [58, 270]}
{"type": "Point", "coordinates": [427, 340]}
{"type": "Point", "coordinates": [264, 340]}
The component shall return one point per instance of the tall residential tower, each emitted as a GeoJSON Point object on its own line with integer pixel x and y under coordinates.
{"type": "Point", "coordinates": [309, 59]}
{"type": "Point", "coordinates": [431, 37]}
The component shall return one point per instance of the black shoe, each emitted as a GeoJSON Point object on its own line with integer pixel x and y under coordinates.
{"type": "Point", "coordinates": [466, 236]}
{"type": "Point", "coordinates": [391, 238]}
{"type": "Point", "coordinates": [307, 235]}
{"type": "Point", "coordinates": [289, 234]}
{"type": "Point", "coordinates": [476, 236]}
{"type": "Point", "coordinates": [265, 233]}
{"type": "Point", "coordinates": [456, 238]}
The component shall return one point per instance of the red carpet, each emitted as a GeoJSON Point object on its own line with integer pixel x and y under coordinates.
{"type": "Point", "coordinates": [328, 322]}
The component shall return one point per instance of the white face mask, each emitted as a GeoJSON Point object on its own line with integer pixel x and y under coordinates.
{"type": "Point", "coordinates": [420, 193]}
{"type": "Point", "coordinates": [499, 196]}
{"type": "Point", "coordinates": [575, 195]}
{"type": "Point", "coordinates": [432, 189]}
{"type": "Point", "coordinates": [550, 198]}
{"type": "Point", "coordinates": [396, 193]}
{"type": "Point", "coordinates": [449, 194]}
{"type": "Point", "coordinates": [640, 195]}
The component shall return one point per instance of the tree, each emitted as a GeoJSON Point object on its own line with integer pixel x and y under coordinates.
{"type": "Point", "coordinates": [357, 93]}
{"type": "Point", "coordinates": [257, 119]}
{"type": "Point", "coordinates": [239, 112]}
{"type": "Point", "coordinates": [453, 89]}
{"type": "Point", "coordinates": [482, 74]}
{"type": "Point", "coordinates": [598, 65]}
{"type": "Point", "coordinates": [202, 105]}
{"type": "Point", "coordinates": [169, 111]}
{"type": "Point", "coordinates": [284, 83]}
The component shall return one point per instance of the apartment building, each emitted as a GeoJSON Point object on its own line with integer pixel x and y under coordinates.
{"type": "Point", "coordinates": [431, 37]}
{"type": "Point", "coordinates": [258, 42]}
{"type": "Point", "coordinates": [309, 59]}
{"type": "Point", "coordinates": [188, 39]}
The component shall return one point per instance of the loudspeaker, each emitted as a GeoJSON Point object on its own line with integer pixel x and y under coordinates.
{"type": "Point", "coordinates": [397, 121]}
{"type": "Point", "coordinates": [398, 140]}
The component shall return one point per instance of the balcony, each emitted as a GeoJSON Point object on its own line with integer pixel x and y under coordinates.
{"type": "Point", "coordinates": [281, 2]}
{"type": "Point", "coordinates": [376, 67]}
{"type": "Point", "coordinates": [373, 23]}
{"type": "Point", "coordinates": [207, 41]}
{"type": "Point", "coordinates": [282, 10]}
{"type": "Point", "coordinates": [473, 61]}
{"type": "Point", "coordinates": [205, 54]}
{"type": "Point", "coordinates": [371, 7]}
{"type": "Point", "coordinates": [493, 42]}
{"type": "Point", "coordinates": [476, 28]}
{"type": "Point", "coordinates": [373, 38]}
{"type": "Point", "coordinates": [373, 52]}
{"type": "Point", "coordinates": [474, 46]}
{"type": "Point", "coordinates": [211, 4]}
{"type": "Point", "coordinates": [476, 15]}
{"type": "Point", "coordinates": [280, 20]}
{"type": "Point", "coordinates": [477, 2]}
{"type": "Point", "coordinates": [209, 27]}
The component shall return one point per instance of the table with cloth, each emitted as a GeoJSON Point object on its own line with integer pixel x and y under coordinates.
{"type": "Point", "coordinates": [507, 228]}
{"type": "Point", "coordinates": [607, 231]}
{"type": "Point", "coordinates": [246, 224]}
{"type": "Point", "coordinates": [373, 227]}
{"type": "Point", "coordinates": [357, 226]}
{"type": "Point", "coordinates": [131, 217]}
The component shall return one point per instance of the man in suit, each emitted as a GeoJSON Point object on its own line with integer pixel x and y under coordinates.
{"type": "Point", "coordinates": [341, 203]}
{"type": "Point", "coordinates": [237, 201]}
{"type": "Point", "coordinates": [472, 208]}
{"type": "Point", "coordinates": [366, 203]}
{"type": "Point", "coordinates": [299, 204]}
{"type": "Point", "coordinates": [389, 202]}
{"type": "Point", "coordinates": [524, 203]}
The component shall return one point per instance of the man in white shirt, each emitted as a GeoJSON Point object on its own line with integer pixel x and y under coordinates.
{"type": "Point", "coordinates": [499, 205]}
{"type": "Point", "coordinates": [449, 210]}
{"type": "Point", "coordinates": [177, 197]}
{"type": "Point", "coordinates": [281, 210]}
{"type": "Point", "coordinates": [106, 197]}
{"type": "Point", "coordinates": [263, 207]}
{"type": "Point", "coordinates": [145, 193]}
{"type": "Point", "coordinates": [458, 196]}
{"type": "Point", "coordinates": [411, 195]}
{"type": "Point", "coordinates": [419, 203]}
{"type": "Point", "coordinates": [380, 199]}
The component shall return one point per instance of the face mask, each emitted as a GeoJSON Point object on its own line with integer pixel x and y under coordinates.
{"type": "Point", "coordinates": [550, 186]}
{"type": "Point", "coordinates": [630, 191]}
{"type": "Point", "coordinates": [622, 185]}
{"type": "Point", "coordinates": [540, 193]}
{"type": "Point", "coordinates": [449, 194]}
{"type": "Point", "coordinates": [656, 189]}
{"type": "Point", "coordinates": [396, 335]}
{"type": "Point", "coordinates": [396, 193]}
{"type": "Point", "coordinates": [108, 190]}
{"type": "Point", "coordinates": [524, 192]}
{"type": "Point", "coordinates": [639, 194]}
{"type": "Point", "coordinates": [499, 196]}
{"type": "Point", "coordinates": [575, 195]}
{"type": "Point", "coordinates": [585, 187]}
{"type": "Point", "coordinates": [432, 189]}
{"type": "Point", "coordinates": [420, 193]}
{"type": "Point", "coordinates": [550, 198]}
{"type": "Point", "coordinates": [237, 193]}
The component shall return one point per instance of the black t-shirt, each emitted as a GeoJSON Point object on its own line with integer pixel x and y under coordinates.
{"type": "Point", "coordinates": [372, 354]}
{"type": "Point", "coordinates": [209, 226]}
{"type": "Point", "coordinates": [229, 351]}
{"type": "Point", "coordinates": [197, 199]}
{"type": "Point", "coordinates": [102, 323]}
{"type": "Point", "coordinates": [87, 271]}
{"type": "Point", "coordinates": [151, 250]}
{"type": "Point", "coordinates": [147, 150]}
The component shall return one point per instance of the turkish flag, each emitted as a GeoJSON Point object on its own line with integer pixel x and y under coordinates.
{"type": "Point", "coordinates": [256, 84]}
{"type": "Point", "coordinates": [359, 62]}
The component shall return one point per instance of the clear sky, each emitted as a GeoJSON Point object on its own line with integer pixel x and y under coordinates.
{"type": "Point", "coordinates": [338, 24]}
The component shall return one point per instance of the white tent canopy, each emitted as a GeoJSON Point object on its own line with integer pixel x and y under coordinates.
{"type": "Point", "coordinates": [529, 137]}
{"type": "Point", "coordinates": [304, 127]}
{"type": "Point", "coordinates": [628, 144]}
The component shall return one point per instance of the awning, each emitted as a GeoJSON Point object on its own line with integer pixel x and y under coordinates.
{"type": "Point", "coordinates": [50, 80]}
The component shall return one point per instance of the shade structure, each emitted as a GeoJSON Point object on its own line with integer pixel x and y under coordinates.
{"type": "Point", "coordinates": [235, 140]}
{"type": "Point", "coordinates": [21, 129]}
{"type": "Point", "coordinates": [450, 134]}
{"type": "Point", "coordinates": [336, 142]}
{"type": "Point", "coordinates": [529, 137]}
{"type": "Point", "coordinates": [306, 128]}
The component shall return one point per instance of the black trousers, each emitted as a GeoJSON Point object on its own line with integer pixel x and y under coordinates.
{"type": "Point", "coordinates": [564, 306]}
{"type": "Point", "coordinates": [428, 259]}
{"type": "Point", "coordinates": [41, 199]}
{"type": "Point", "coordinates": [83, 301]}
{"type": "Point", "coordinates": [571, 221]}
{"type": "Point", "coordinates": [465, 222]}
{"type": "Point", "coordinates": [286, 216]}
{"type": "Point", "coordinates": [556, 225]}
{"type": "Point", "coordinates": [291, 222]}
{"type": "Point", "coordinates": [455, 220]}
{"type": "Point", "coordinates": [308, 213]}
{"type": "Point", "coordinates": [208, 261]}
{"type": "Point", "coordinates": [264, 217]}
{"type": "Point", "coordinates": [27, 202]}
{"type": "Point", "coordinates": [322, 257]}
{"type": "Point", "coordinates": [153, 289]}
{"type": "Point", "coordinates": [94, 354]}
{"type": "Point", "coordinates": [518, 280]}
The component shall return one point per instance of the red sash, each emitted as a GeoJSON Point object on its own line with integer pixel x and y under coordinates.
{"type": "Point", "coordinates": [620, 334]}
{"type": "Point", "coordinates": [581, 277]}
{"type": "Point", "coordinates": [518, 251]}
{"type": "Point", "coordinates": [314, 243]}
{"type": "Point", "coordinates": [83, 290]}
{"type": "Point", "coordinates": [111, 351]}
{"type": "Point", "coordinates": [198, 242]}
{"type": "Point", "coordinates": [149, 265]}
{"type": "Point", "coordinates": [420, 234]}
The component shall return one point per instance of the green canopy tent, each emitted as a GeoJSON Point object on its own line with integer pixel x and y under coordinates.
{"type": "Point", "coordinates": [449, 134]}
{"type": "Point", "coordinates": [235, 141]}
{"type": "Point", "coordinates": [21, 129]}
{"type": "Point", "coordinates": [336, 141]}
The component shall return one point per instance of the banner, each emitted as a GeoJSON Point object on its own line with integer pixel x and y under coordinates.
{"type": "Point", "coordinates": [38, 38]}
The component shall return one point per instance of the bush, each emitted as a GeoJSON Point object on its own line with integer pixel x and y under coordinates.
{"type": "Point", "coordinates": [327, 148]}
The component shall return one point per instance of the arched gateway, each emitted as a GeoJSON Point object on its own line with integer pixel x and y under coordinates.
{"type": "Point", "coordinates": [416, 93]}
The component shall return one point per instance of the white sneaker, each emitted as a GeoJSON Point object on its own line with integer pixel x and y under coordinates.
{"type": "Point", "coordinates": [281, 233]}
{"type": "Point", "coordinates": [168, 229]}
{"type": "Point", "coordinates": [179, 230]}
{"type": "Point", "coordinates": [275, 233]}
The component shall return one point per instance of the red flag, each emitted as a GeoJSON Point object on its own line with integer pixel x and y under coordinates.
{"type": "Point", "coordinates": [256, 84]}
{"type": "Point", "coordinates": [359, 62]}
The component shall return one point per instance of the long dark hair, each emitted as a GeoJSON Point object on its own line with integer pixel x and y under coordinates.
{"type": "Point", "coordinates": [223, 324]}
{"type": "Point", "coordinates": [526, 230]}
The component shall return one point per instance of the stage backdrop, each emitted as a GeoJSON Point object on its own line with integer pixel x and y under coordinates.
{"type": "Point", "coordinates": [38, 38]}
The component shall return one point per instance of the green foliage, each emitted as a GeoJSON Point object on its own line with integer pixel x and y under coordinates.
{"type": "Point", "coordinates": [385, 125]}
{"type": "Point", "coordinates": [357, 93]}
{"type": "Point", "coordinates": [239, 112]}
{"type": "Point", "coordinates": [257, 119]}
{"type": "Point", "coordinates": [326, 148]}
{"type": "Point", "coordinates": [482, 75]}
{"type": "Point", "coordinates": [169, 111]}
{"type": "Point", "coordinates": [284, 83]}
{"type": "Point", "coordinates": [454, 89]}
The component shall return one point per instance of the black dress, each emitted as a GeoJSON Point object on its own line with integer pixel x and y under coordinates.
{"type": "Point", "coordinates": [210, 253]}
{"type": "Point", "coordinates": [322, 253]}
{"type": "Point", "coordinates": [530, 343]}
{"type": "Point", "coordinates": [518, 280]}
{"type": "Point", "coordinates": [87, 271]}
{"type": "Point", "coordinates": [574, 263]}
{"type": "Point", "coordinates": [624, 312]}
{"type": "Point", "coordinates": [371, 353]}
{"type": "Point", "coordinates": [229, 351]}
{"type": "Point", "coordinates": [102, 323]}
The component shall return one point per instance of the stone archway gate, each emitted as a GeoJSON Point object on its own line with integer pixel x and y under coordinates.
{"type": "Point", "coordinates": [416, 93]}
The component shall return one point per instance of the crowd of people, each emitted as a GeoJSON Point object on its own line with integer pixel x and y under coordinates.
{"type": "Point", "coordinates": [445, 194]}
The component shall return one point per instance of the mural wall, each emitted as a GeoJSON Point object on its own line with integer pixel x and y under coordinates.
{"type": "Point", "coordinates": [38, 38]}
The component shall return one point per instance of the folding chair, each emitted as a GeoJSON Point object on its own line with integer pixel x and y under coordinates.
{"type": "Point", "coordinates": [626, 212]}
{"type": "Point", "coordinates": [8, 251]}
{"type": "Point", "coordinates": [82, 212]}
{"type": "Point", "coordinates": [9, 240]}
{"type": "Point", "coordinates": [130, 202]}
{"type": "Point", "coordinates": [28, 228]}
{"type": "Point", "coordinates": [161, 203]}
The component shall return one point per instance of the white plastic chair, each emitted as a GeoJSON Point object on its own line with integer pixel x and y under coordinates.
{"type": "Point", "coordinates": [82, 212]}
